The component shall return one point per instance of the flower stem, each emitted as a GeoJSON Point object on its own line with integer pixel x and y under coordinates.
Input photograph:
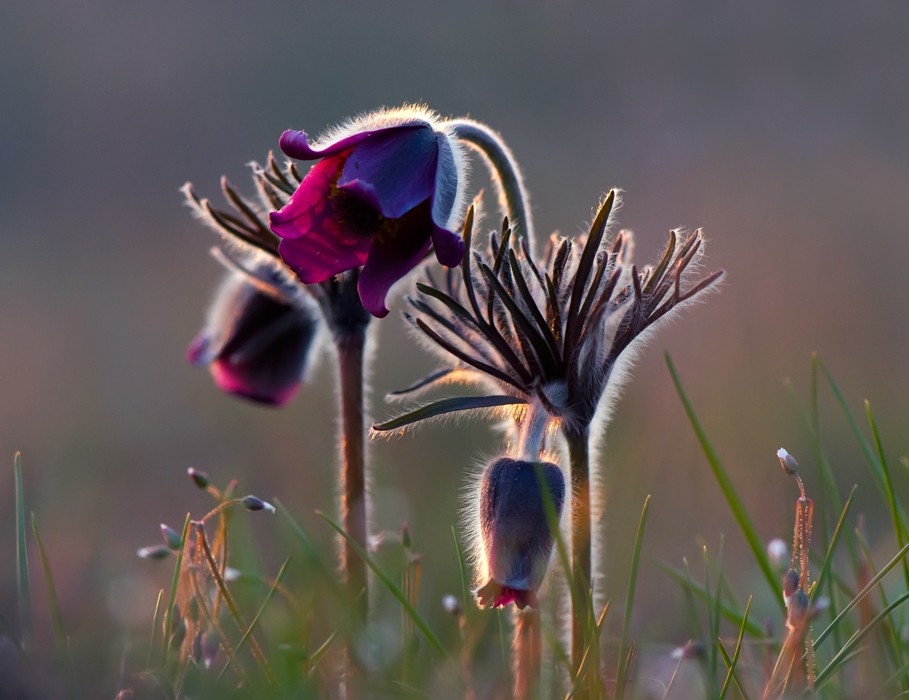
{"type": "Point", "coordinates": [506, 174]}
{"type": "Point", "coordinates": [350, 348]}
{"type": "Point", "coordinates": [583, 632]}
{"type": "Point", "coordinates": [526, 653]}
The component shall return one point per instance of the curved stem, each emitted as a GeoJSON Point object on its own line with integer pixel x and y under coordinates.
{"type": "Point", "coordinates": [506, 175]}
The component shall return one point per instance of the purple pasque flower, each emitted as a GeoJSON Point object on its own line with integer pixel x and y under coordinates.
{"type": "Point", "coordinates": [256, 342]}
{"type": "Point", "coordinates": [387, 189]}
{"type": "Point", "coordinates": [514, 532]}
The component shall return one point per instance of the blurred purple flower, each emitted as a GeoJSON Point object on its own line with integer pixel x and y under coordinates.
{"type": "Point", "coordinates": [515, 534]}
{"type": "Point", "coordinates": [255, 344]}
{"type": "Point", "coordinates": [387, 188]}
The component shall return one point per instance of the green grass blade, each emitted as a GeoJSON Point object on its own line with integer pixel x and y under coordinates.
{"type": "Point", "coordinates": [60, 636]}
{"type": "Point", "coordinates": [870, 457]}
{"type": "Point", "coordinates": [462, 569]}
{"type": "Point", "coordinates": [862, 593]}
{"type": "Point", "coordinates": [841, 655]}
{"type": "Point", "coordinates": [23, 589]}
{"type": "Point", "coordinates": [828, 559]}
{"type": "Point", "coordinates": [629, 601]}
{"type": "Point", "coordinates": [730, 494]}
{"type": "Point", "coordinates": [172, 598]}
{"type": "Point", "coordinates": [156, 627]}
{"type": "Point", "coordinates": [735, 655]}
{"type": "Point", "coordinates": [389, 584]}
{"type": "Point", "coordinates": [899, 525]}
{"type": "Point", "coordinates": [753, 629]}
{"type": "Point", "coordinates": [268, 598]}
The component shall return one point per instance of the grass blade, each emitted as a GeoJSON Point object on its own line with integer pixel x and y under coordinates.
{"type": "Point", "coordinates": [22, 583]}
{"type": "Point", "coordinates": [727, 611]}
{"type": "Point", "coordinates": [629, 601]}
{"type": "Point", "coordinates": [862, 593]}
{"type": "Point", "coordinates": [60, 636]}
{"type": "Point", "coordinates": [825, 568]}
{"type": "Point", "coordinates": [172, 598]}
{"type": "Point", "coordinates": [899, 526]}
{"type": "Point", "coordinates": [730, 494]}
{"type": "Point", "coordinates": [389, 584]}
{"type": "Point", "coordinates": [735, 655]}
{"type": "Point", "coordinates": [840, 656]}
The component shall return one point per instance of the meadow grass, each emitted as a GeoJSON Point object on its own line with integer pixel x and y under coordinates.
{"type": "Point", "coordinates": [223, 632]}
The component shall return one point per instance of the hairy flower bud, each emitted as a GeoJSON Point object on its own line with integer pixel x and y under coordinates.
{"type": "Point", "coordinates": [516, 538]}
{"type": "Point", "coordinates": [255, 344]}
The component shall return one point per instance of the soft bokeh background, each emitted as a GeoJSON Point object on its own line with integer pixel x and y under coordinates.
{"type": "Point", "coordinates": [780, 128]}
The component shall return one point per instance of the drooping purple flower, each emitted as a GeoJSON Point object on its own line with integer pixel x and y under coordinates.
{"type": "Point", "coordinates": [386, 189]}
{"type": "Point", "coordinates": [514, 531]}
{"type": "Point", "coordinates": [255, 344]}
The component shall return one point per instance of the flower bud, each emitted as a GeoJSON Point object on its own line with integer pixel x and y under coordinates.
{"type": "Point", "coordinates": [255, 503]}
{"type": "Point", "coordinates": [777, 553]}
{"type": "Point", "coordinates": [787, 462]}
{"type": "Point", "coordinates": [790, 585]}
{"type": "Point", "coordinates": [451, 605]}
{"type": "Point", "coordinates": [158, 551]}
{"type": "Point", "coordinates": [255, 344]}
{"type": "Point", "coordinates": [516, 538]}
{"type": "Point", "coordinates": [199, 478]}
{"type": "Point", "coordinates": [172, 538]}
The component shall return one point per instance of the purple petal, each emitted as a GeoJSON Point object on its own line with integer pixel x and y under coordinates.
{"type": "Point", "coordinates": [393, 170]}
{"type": "Point", "coordinates": [324, 233]}
{"type": "Point", "coordinates": [448, 246]}
{"type": "Point", "coordinates": [296, 144]}
{"type": "Point", "coordinates": [392, 256]}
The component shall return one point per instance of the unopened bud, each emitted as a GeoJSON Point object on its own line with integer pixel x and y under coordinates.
{"type": "Point", "coordinates": [199, 478]}
{"type": "Point", "coordinates": [790, 585]}
{"type": "Point", "coordinates": [517, 541]}
{"type": "Point", "coordinates": [777, 553]}
{"type": "Point", "coordinates": [255, 503]}
{"type": "Point", "coordinates": [179, 633]}
{"type": "Point", "coordinates": [405, 536]}
{"type": "Point", "coordinates": [451, 605]}
{"type": "Point", "coordinates": [798, 609]}
{"type": "Point", "coordinates": [787, 462]}
{"type": "Point", "coordinates": [158, 551]}
{"type": "Point", "coordinates": [171, 537]}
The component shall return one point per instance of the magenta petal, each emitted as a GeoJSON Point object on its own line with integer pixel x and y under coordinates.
{"type": "Point", "coordinates": [448, 246]}
{"type": "Point", "coordinates": [393, 170]}
{"type": "Point", "coordinates": [296, 145]}
{"type": "Point", "coordinates": [317, 243]}
{"type": "Point", "coordinates": [389, 260]}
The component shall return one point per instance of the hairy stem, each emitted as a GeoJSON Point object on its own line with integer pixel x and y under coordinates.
{"type": "Point", "coordinates": [506, 175]}
{"type": "Point", "coordinates": [526, 653]}
{"type": "Point", "coordinates": [582, 627]}
{"type": "Point", "coordinates": [350, 348]}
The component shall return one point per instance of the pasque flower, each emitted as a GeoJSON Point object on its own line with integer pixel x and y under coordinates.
{"type": "Point", "coordinates": [256, 344]}
{"type": "Point", "coordinates": [516, 538]}
{"type": "Point", "coordinates": [386, 189]}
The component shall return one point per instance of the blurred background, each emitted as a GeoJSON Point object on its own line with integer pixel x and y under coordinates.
{"type": "Point", "coordinates": [778, 128]}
